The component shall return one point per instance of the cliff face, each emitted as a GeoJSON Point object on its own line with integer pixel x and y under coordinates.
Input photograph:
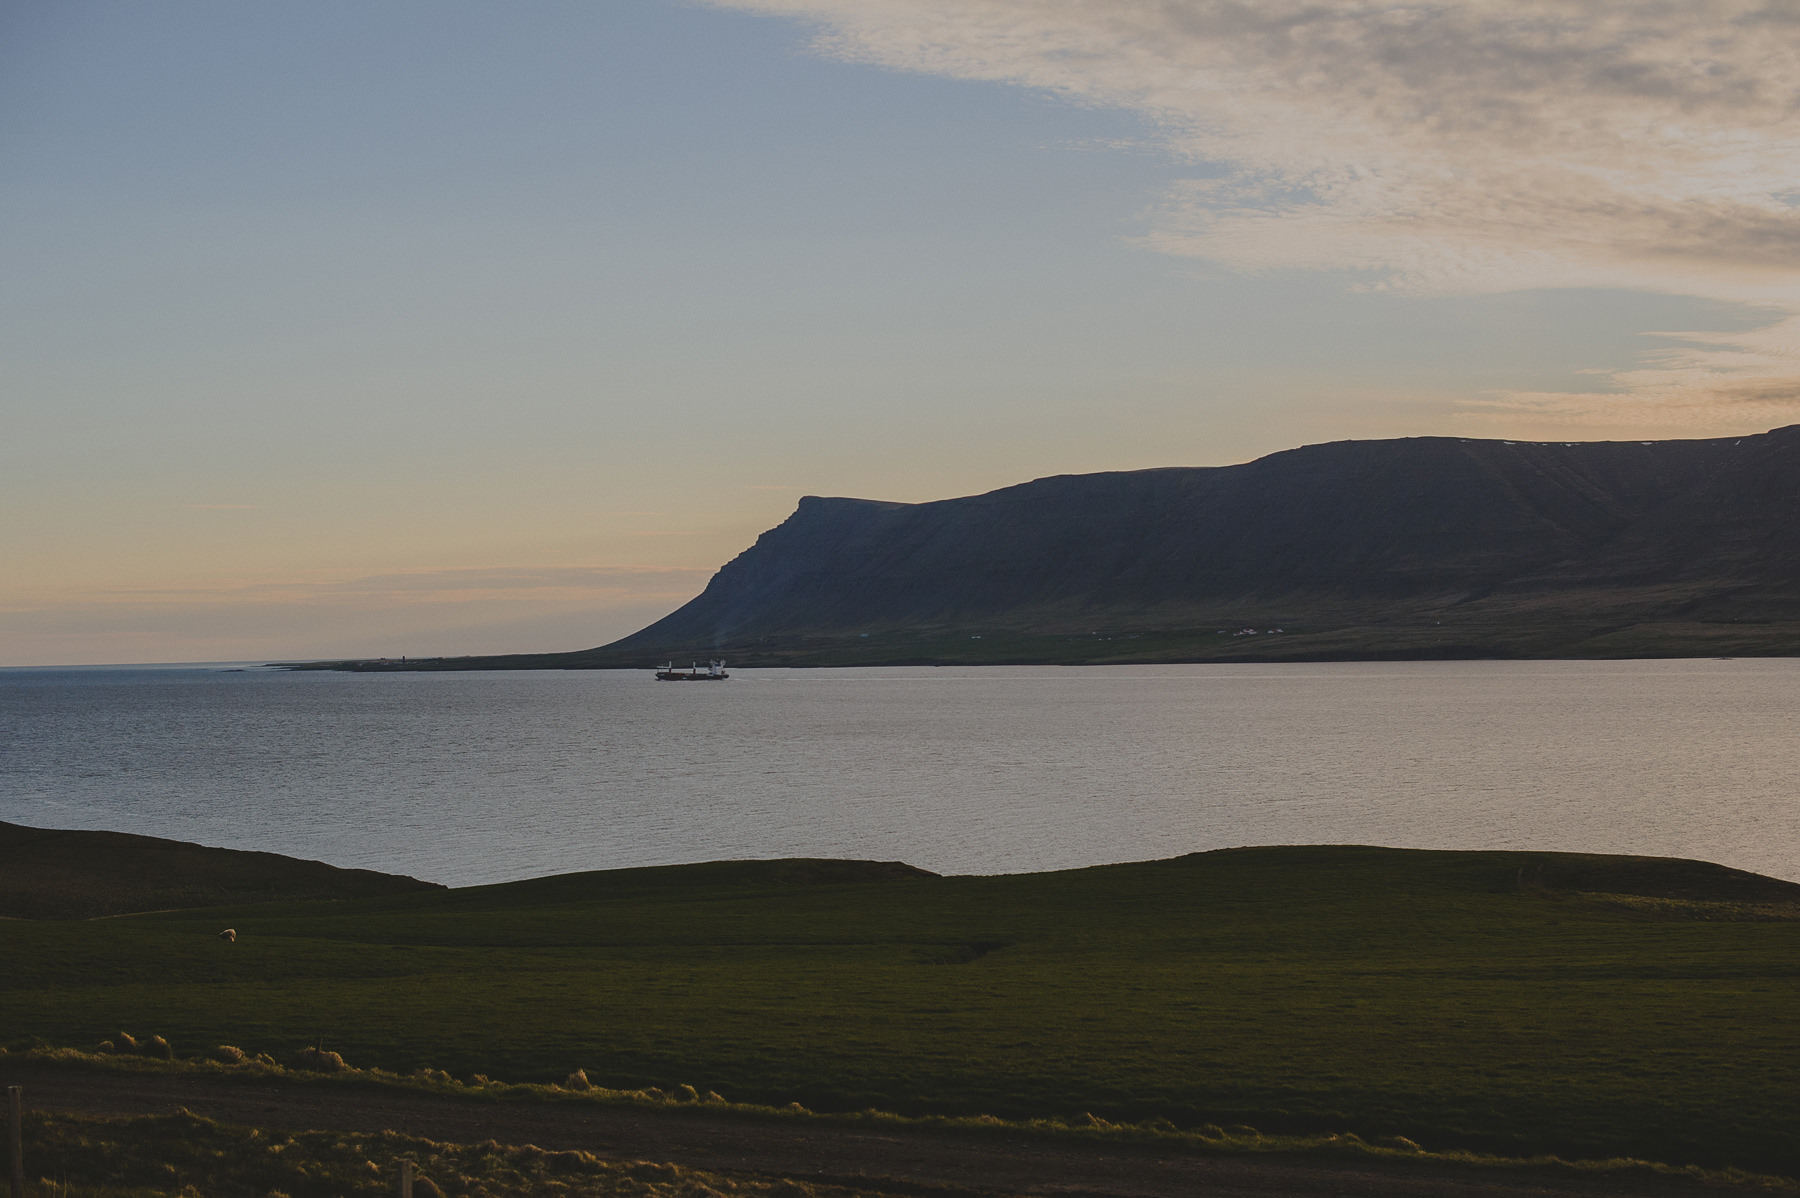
{"type": "Point", "coordinates": [1350, 531]}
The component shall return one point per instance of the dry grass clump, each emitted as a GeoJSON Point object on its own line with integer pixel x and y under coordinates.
{"type": "Point", "coordinates": [577, 1080]}
{"type": "Point", "coordinates": [126, 1044]}
{"type": "Point", "coordinates": [319, 1060]}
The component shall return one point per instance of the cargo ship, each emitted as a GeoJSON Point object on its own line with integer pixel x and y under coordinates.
{"type": "Point", "coordinates": [714, 672]}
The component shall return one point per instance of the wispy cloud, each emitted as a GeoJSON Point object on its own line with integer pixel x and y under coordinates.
{"type": "Point", "coordinates": [1438, 146]}
{"type": "Point", "coordinates": [1701, 381]}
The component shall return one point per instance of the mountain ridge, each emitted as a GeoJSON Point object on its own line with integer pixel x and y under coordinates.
{"type": "Point", "coordinates": [1413, 547]}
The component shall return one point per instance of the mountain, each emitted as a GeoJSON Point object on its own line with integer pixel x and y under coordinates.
{"type": "Point", "coordinates": [1420, 547]}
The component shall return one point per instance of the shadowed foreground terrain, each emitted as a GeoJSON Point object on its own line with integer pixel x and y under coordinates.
{"type": "Point", "coordinates": [1518, 1003]}
{"type": "Point", "coordinates": [47, 873]}
{"type": "Point", "coordinates": [163, 1133]}
{"type": "Point", "coordinates": [182, 1154]}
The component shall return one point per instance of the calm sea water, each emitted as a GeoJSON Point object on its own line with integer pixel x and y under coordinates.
{"type": "Point", "coordinates": [466, 778]}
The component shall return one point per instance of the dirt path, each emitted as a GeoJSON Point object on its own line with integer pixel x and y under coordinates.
{"type": "Point", "coordinates": [906, 1158]}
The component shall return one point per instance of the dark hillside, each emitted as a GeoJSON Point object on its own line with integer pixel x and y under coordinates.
{"type": "Point", "coordinates": [1421, 547]}
{"type": "Point", "coordinates": [47, 873]}
{"type": "Point", "coordinates": [1521, 535]}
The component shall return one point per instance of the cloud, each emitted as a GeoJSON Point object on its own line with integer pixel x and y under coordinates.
{"type": "Point", "coordinates": [1702, 382]}
{"type": "Point", "coordinates": [1442, 146]}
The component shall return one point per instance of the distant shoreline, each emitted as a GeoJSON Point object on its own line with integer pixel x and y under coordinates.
{"type": "Point", "coordinates": [1647, 641]}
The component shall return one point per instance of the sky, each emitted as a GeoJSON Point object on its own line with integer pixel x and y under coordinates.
{"type": "Point", "coordinates": [393, 327]}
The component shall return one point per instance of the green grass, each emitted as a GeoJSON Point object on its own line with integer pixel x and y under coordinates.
{"type": "Point", "coordinates": [1297, 990]}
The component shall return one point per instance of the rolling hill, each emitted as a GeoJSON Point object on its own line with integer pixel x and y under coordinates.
{"type": "Point", "coordinates": [53, 873]}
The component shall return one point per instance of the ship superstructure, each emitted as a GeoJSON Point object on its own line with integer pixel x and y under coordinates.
{"type": "Point", "coordinates": [714, 672]}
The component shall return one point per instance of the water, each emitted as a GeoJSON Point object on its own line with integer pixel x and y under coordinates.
{"type": "Point", "coordinates": [466, 778]}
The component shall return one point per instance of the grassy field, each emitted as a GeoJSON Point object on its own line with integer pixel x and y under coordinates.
{"type": "Point", "coordinates": [1493, 1001]}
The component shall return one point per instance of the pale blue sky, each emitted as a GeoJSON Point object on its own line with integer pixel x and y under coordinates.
{"type": "Point", "coordinates": [333, 328]}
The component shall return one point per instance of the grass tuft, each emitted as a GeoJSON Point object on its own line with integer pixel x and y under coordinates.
{"type": "Point", "coordinates": [320, 1060]}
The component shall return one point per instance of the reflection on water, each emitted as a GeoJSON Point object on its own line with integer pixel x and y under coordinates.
{"type": "Point", "coordinates": [466, 778]}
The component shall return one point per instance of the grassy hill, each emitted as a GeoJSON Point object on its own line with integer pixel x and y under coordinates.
{"type": "Point", "coordinates": [47, 873]}
{"type": "Point", "coordinates": [1515, 1002]}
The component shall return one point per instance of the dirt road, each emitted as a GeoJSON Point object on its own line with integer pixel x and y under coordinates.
{"type": "Point", "coordinates": [876, 1158]}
